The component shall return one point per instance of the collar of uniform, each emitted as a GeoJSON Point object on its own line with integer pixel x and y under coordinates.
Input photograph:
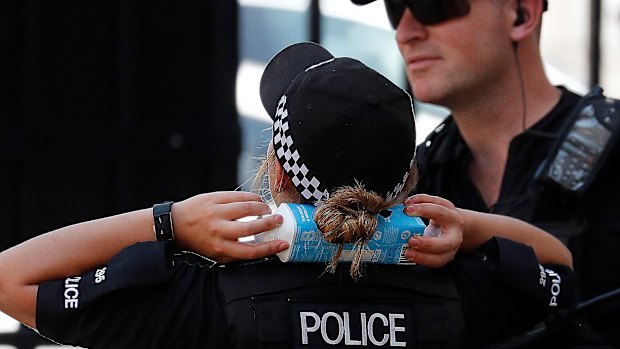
{"type": "Point", "coordinates": [445, 146]}
{"type": "Point", "coordinates": [448, 147]}
{"type": "Point", "coordinates": [555, 119]}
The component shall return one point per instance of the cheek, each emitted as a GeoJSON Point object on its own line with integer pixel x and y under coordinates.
{"type": "Point", "coordinates": [476, 57]}
{"type": "Point", "coordinates": [463, 52]}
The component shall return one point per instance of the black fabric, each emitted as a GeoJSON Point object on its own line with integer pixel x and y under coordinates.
{"type": "Point", "coordinates": [146, 297]}
{"type": "Point", "coordinates": [443, 161]}
{"type": "Point", "coordinates": [145, 302]}
{"type": "Point", "coordinates": [429, 300]}
{"type": "Point", "coordinates": [105, 103]}
{"type": "Point", "coordinates": [284, 68]}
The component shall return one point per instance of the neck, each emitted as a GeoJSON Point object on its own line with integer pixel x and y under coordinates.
{"type": "Point", "coordinates": [492, 117]}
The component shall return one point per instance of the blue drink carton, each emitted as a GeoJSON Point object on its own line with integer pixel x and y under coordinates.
{"type": "Point", "coordinates": [387, 245]}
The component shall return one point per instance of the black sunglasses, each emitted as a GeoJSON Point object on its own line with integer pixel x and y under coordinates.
{"type": "Point", "coordinates": [427, 12]}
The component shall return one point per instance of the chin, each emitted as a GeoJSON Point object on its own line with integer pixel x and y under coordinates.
{"type": "Point", "coordinates": [425, 95]}
{"type": "Point", "coordinates": [428, 90]}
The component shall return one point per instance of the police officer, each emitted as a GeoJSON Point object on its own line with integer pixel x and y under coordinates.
{"type": "Point", "coordinates": [337, 124]}
{"type": "Point", "coordinates": [482, 60]}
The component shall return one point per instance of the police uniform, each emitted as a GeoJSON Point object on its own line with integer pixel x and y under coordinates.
{"type": "Point", "coordinates": [590, 226]}
{"type": "Point", "coordinates": [149, 296]}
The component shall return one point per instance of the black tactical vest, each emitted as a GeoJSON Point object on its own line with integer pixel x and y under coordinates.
{"type": "Point", "coordinates": [270, 304]}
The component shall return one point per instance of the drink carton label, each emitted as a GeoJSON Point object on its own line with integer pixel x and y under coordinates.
{"type": "Point", "coordinates": [387, 245]}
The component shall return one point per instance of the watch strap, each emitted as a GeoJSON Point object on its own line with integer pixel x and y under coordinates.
{"type": "Point", "coordinates": [162, 221]}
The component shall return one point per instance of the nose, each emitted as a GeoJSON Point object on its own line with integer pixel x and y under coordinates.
{"type": "Point", "coordinates": [410, 29]}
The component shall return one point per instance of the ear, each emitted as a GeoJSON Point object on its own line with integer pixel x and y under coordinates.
{"type": "Point", "coordinates": [526, 19]}
{"type": "Point", "coordinates": [278, 179]}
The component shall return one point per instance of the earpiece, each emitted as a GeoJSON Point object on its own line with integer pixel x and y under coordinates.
{"type": "Point", "coordinates": [521, 17]}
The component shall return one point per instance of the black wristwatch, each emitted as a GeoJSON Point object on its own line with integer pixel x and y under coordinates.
{"type": "Point", "coordinates": [162, 217]}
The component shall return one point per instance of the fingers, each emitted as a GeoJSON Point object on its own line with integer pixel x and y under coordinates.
{"type": "Point", "coordinates": [221, 242]}
{"type": "Point", "coordinates": [249, 228]}
{"type": "Point", "coordinates": [425, 198]}
{"type": "Point", "coordinates": [236, 210]}
{"type": "Point", "coordinates": [225, 197]}
{"type": "Point", "coordinates": [441, 214]}
{"type": "Point", "coordinates": [432, 252]}
{"type": "Point", "coordinates": [229, 205]}
{"type": "Point", "coordinates": [225, 251]}
{"type": "Point", "coordinates": [428, 259]}
{"type": "Point", "coordinates": [232, 205]}
{"type": "Point", "coordinates": [245, 251]}
{"type": "Point", "coordinates": [436, 251]}
{"type": "Point", "coordinates": [433, 245]}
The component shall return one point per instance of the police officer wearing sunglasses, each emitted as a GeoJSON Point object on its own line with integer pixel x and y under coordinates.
{"type": "Point", "coordinates": [508, 123]}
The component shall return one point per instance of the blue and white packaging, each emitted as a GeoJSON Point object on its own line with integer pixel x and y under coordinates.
{"type": "Point", "coordinates": [387, 245]}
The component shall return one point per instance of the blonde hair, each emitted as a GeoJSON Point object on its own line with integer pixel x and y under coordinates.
{"type": "Point", "coordinates": [349, 215]}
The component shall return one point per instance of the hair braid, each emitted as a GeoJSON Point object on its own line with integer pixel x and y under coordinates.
{"type": "Point", "coordinates": [349, 216]}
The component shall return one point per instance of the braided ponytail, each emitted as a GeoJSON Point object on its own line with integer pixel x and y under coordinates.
{"type": "Point", "coordinates": [349, 216]}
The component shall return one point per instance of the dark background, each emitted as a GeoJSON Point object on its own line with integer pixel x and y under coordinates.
{"type": "Point", "coordinates": [109, 106]}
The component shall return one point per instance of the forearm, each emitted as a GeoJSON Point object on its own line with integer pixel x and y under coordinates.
{"type": "Point", "coordinates": [65, 252]}
{"type": "Point", "coordinates": [81, 247]}
{"type": "Point", "coordinates": [480, 227]}
{"type": "Point", "coordinates": [206, 223]}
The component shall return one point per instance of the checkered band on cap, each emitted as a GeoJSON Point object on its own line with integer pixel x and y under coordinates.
{"type": "Point", "coordinates": [286, 151]}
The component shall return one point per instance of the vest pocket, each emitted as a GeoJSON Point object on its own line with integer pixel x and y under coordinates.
{"type": "Point", "coordinates": [273, 321]}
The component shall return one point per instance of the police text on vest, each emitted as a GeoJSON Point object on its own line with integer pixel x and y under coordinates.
{"type": "Point", "coordinates": [377, 329]}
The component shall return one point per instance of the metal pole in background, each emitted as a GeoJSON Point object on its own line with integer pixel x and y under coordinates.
{"type": "Point", "coordinates": [315, 21]}
{"type": "Point", "coordinates": [595, 42]}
